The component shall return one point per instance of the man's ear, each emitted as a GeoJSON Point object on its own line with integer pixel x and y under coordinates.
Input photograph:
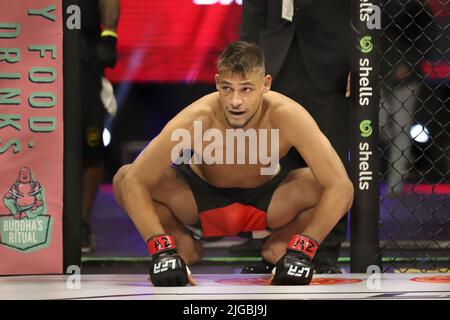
{"type": "Point", "coordinates": [267, 83]}
{"type": "Point", "coordinates": [216, 78]}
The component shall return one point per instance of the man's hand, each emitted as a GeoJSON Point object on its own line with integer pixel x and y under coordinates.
{"type": "Point", "coordinates": [347, 91]}
{"type": "Point", "coordinates": [167, 268]}
{"type": "Point", "coordinates": [107, 49]}
{"type": "Point", "coordinates": [296, 267]}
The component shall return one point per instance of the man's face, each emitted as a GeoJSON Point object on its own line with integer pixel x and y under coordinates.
{"type": "Point", "coordinates": [241, 95]}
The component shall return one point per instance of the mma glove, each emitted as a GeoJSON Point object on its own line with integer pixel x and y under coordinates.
{"type": "Point", "coordinates": [296, 267]}
{"type": "Point", "coordinates": [167, 268]}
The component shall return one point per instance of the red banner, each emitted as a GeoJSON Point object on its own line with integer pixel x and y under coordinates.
{"type": "Point", "coordinates": [31, 136]}
{"type": "Point", "coordinates": [174, 41]}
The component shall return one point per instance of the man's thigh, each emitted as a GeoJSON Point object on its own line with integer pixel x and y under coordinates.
{"type": "Point", "coordinates": [299, 191]}
{"type": "Point", "coordinates": [177, 196]}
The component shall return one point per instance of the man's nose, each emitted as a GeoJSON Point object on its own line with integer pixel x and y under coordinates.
{"type": "Point", "coordinates": [236, 100]}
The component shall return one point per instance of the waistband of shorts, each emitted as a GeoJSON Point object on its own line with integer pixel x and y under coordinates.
{"type": "Point", "coordinates": [276, 179]}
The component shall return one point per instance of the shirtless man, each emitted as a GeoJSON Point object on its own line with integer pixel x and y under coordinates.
{"type": "Point", "coordinates": [172, 203]}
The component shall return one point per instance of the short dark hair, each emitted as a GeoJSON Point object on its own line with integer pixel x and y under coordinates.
{"type": "Point", "coordinates": [241, 57]}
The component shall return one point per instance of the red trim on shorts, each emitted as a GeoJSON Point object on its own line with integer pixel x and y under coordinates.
{"type": "Point", "coordinates": [231, 220]}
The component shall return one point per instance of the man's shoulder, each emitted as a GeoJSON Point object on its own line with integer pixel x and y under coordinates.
{"type": "Point", "coordinates": [280, 106]}
{"type": "Point", "coordinates": [202, 109]}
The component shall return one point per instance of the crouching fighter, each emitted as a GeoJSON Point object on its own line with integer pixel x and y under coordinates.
{"type": "Point", "coordinates": [214, 171]}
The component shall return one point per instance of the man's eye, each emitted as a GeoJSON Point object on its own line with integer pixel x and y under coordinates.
{"type": "Point", "coordinates": [226, 88]}
{"type": "Point", "coordinates": [247, 89]}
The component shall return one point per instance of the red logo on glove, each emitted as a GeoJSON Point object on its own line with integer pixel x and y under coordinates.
{"type": "Point", "coordinates": [158, 244]}
{"type": "Point", "coordinates": [303, 244]}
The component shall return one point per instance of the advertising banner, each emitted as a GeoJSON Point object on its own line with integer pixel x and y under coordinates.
{"type": "Point", "coordinates": [31, 137]}
{"type": "Point", "coordinates": [364, 149]}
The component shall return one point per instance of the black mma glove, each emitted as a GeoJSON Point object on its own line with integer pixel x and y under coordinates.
{"type": "Point", "coordinates": [296, 267]}
{"type": "Point", "coordinates": [167, 268]}
{"type": "Point", "coordinates": [107, 49]}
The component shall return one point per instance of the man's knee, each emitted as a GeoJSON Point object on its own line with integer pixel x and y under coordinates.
{"type": "Point", "coordinates": [120, 174]}
{"type": "Point", "coordinates": [118, 179]}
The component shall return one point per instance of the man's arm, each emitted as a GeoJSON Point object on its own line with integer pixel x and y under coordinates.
{"type": "Point", "coordinates": [302, 132]}
{"type": "Point", "coordinates": [253, 16]}
{"type": "Point", "coordinates": [109, 14]}
{"type": "Point", "coordinates": [132, 186]}
{"type": "Point", "coordinates": [107, 46]}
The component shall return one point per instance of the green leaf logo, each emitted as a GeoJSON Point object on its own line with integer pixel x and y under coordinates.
{"type": "Point", "coordinates": [366, 44]}
{"type": "Point", "coordinates": [366, 128]}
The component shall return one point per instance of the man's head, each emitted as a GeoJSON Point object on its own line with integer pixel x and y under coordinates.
{"type": "Point", "coordinates": [241, 81]}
